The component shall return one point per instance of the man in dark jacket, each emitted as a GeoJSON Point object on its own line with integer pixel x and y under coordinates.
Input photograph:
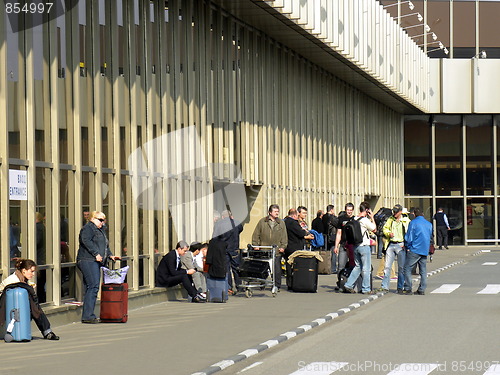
{"type": "Point", "coordinates": [330, 222]}
{"type": "Point", "coordinates": [296, 240]}
{"type": "Point", "coordinates": [229, 231]}
{"type": "Point", "coordinates": [170, 273]}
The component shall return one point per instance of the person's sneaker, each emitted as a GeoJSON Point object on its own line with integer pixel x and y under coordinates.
{"type": "Point", "coordinates": [349, 291]}
{"type": "Point", "coordinates": [407, 292]}
{"type": "Point", "coordinates": [420, 292]}
{"type": "Point", "coordinates": [198, 299]}
{"type": "Point", "coordinates": [440, 248]}
{"type": "Point", "coordinates": [446, 247]}
{"type": "Point", "coordinates": [382, 290]}
{"type": "Point", "coordinates": [51, 336]}
{"type": "Point", "coordinates": [91, 321]}
{"type": "Point", "coordinates": [400, 291]}
{"type": "Point", "coordinates": [371, 292]}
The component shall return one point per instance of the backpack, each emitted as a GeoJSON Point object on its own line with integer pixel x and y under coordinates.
{"type": "Point", "coordinates": [381, 218]}
{"type": "Point", "coordinates": [353, 234]}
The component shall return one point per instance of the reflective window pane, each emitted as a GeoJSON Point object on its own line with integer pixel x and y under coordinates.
{"type": "Point", "coordinates": [425, 204]}
{"type": "Point", "coordinates": [448, 155]}
{"type": "Point", "coordinates": [479, 155]}
{"type": "Point", "coordinates": [480, 218]}
{"type": "Point", "coordinates": [453, 208]}
{"type": "Point", "coordinates": [417, 160]}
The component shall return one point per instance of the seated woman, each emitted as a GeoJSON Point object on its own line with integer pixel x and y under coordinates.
{"type": "Point", "coordinates": [25, 270]}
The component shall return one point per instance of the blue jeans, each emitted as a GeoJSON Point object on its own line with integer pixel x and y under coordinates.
{"type": "Point", "coordinates": [363, 260]}
{"type": "Point", "coordinates": [394, 250]}
{"type": "Point", "coordinates": [91, 279]}
{"type": "Point", "coordinates": [412, 259]}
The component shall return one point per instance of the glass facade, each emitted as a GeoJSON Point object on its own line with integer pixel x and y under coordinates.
{"type": "Point", "coordinates": [444, 154]}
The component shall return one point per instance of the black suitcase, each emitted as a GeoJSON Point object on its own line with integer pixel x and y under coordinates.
{"type": "Point", "coordinates": [344, 275]}
{"type": "Point", "coordinates": [305, 275]}
{"type": "Point", "coordinates": [258, 269]}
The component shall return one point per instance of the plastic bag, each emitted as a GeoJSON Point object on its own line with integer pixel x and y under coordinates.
{"type": "Point", "coordinates": [114, 276]}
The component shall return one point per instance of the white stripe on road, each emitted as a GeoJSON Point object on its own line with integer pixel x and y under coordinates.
{"type": "Point", "coordinates": [250, 367]}
{"type": "Point", "coordinates": [490, 263]}
{"type": "Point", "coordinates": [493, 370]}
{"type": "Point", "coordinates": [490, 289]}
{"type": "Point", "coordinates": [319, 368]}
{"type": "Point", "coordinates": [414, 369]}
{"type": "Point", "coordinates": [446, 288]}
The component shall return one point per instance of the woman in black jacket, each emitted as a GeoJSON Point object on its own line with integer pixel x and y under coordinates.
{"type": "Point", "coordinates": [93, 253]}
{"type": "Point", "coordinates": [217, 261]}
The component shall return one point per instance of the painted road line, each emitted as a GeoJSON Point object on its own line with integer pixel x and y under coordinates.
{"type": "Point", "coordinates": [490, 263]}
{"type": "Point", "coordinates": [490, 289]}
{"type": "Point", "coordinates": [250, 367]}
{"type": "Point", "coordinates": [446, 288]}
{"type": "Point", "coordinates": [414, 369]}
{"type": "Point", "coordinates": [493, 370]}
{"type": "Point", "coordinates": [319, 368]}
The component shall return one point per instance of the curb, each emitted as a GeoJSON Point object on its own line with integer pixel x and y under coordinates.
{"type": "Point", "coordinates": [219, 366]}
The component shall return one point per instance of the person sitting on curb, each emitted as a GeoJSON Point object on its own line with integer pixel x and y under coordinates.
{"type": "Point", "coordinates": [170, 273]}
{"type": "Point", "coordinates": [25, 270]}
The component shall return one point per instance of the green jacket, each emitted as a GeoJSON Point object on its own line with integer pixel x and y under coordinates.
{"type": "Point", "coordinates": [387, 230]}
{"type": "Point", "coordinates": [263, 235]}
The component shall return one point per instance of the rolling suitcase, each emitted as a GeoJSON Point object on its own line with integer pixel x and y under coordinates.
{"type": "Point", "coordinates": [305, 274]}
{"type": "Point", "coordinates": [344, 275]}
{"type": "Point", "coordinates": [114, 303]}
{"type": "Point", "coordinates": [325, 266]}
{"type": "Point", "coordinates": [217, 289]}
{"type": "Point", "coordinates": [18, 315]}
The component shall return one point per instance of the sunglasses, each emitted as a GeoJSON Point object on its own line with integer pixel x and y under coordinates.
{"type": "Point", "coordinates": [101, 220]}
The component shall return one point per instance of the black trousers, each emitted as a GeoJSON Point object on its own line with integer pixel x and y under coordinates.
{"type": "Point", "coordinates": [442, 236]}
{"type": "Point", "coordinates": [183, 279]}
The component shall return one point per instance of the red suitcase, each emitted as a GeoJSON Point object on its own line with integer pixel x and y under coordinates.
{"type": "Point", "coordinates": [114, 303]}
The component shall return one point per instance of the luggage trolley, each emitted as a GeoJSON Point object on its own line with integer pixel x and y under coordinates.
{"type": "Point", "coordinates": [255, 269]}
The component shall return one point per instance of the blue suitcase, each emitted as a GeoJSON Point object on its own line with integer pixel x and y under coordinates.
{"type": "Point", "coordinates": [18, 315]}
{"type": "Point", "coordinates": [217, 289]}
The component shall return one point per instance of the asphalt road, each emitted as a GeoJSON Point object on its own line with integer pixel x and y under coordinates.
{"type": "Point", "coordinates": [453, 329]}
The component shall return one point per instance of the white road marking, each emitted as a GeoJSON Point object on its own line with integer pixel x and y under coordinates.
{"type": "Point", "coordinates": [446, 288]}
{"type": "Point", "coordinates": [493, 370]}
{"type": "Point", "coordinates": [490, 289]}
{"type": "Point", "coordinates": [250, 367]}
{"type": "Point", "coordinates": [490, 263]}
{"type": "Point", "coordinates": [414, 369]}
{"type": "Point", "coordinates": [319, 368]}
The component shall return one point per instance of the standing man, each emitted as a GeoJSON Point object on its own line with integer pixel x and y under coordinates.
{"type": "Point", "coordinates": [341, 248]}
{"type": "Point", "coordinates": [362, 252]}
{"type": "Point", "coordinates": [229, 231]}
{"type": "Point", "coordinates": [442, 228]}
{"type": "Point", "coordinates": [317, 223]}
{"type": "Point", "coordinates": [297, 237]}
{"type": "Point", "coordinates": [270, 231]}
{"type": "Point", "coordinates": [418, 240]}
{"type": "Point", "coordinates": [394, 231]}
{"type": "Point", "coordinates": [330, 223]}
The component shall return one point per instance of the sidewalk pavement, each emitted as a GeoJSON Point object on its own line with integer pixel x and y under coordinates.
{"type": "Point", "coordinates": [178, 337]}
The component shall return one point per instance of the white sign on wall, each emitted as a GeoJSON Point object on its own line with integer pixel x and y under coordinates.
{"type": "Point", "coordinates": [18, 185]}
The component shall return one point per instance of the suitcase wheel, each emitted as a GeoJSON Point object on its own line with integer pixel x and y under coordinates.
{"type": "Point", "coordinates": [248, 293]}
{"type": "Point", "coordinates": [8, 337]}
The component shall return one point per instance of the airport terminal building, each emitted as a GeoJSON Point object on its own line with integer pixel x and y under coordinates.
{"type": "Point", "coordinates": [162, 113]}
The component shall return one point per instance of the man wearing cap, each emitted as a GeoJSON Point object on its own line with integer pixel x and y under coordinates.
{"type": "Point", "coordinates": [170, 272]}
{"type": "Point", "coordinates": [394, 231]}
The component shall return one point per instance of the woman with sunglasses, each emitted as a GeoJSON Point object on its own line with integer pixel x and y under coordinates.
{"type": "Point", "coordinates": [93, 253]}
